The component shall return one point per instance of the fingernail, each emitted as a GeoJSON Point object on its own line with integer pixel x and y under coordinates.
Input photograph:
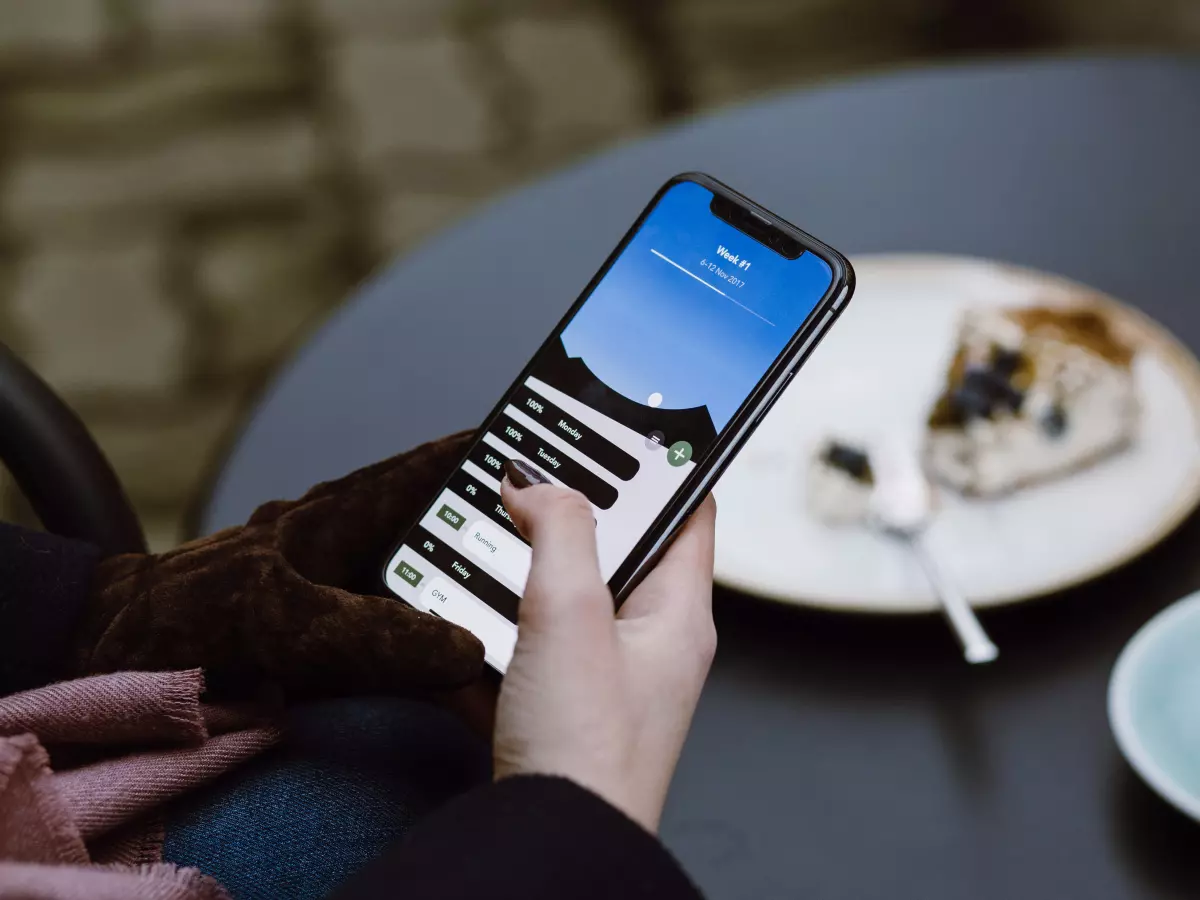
{"type": "Point", "coordinates": [522, 474]}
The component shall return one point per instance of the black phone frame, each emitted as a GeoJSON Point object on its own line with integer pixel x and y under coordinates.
{"type": "Point", "coordinates": [737, 431]}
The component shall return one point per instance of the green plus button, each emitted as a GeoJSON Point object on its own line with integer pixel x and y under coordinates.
{"type": "Point", "coordinates": [455, 519]}
{"type": "Point", "coordinates": [409, 574]}
{"type": "Point", "coordinates": [679, 453]}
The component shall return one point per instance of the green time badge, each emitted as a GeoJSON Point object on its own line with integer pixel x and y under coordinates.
{"type": "Point", "coordinates": [409, 574]}
{"type": "Point", "coordinates": [454, 519]}
{"type": "Point", "coordinates": [679, 453]}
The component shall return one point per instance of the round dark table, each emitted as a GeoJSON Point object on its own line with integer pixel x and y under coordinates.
{"type": "Point", "coordinates": [836, 756]}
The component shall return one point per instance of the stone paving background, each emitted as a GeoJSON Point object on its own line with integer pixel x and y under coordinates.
{"type": "Point", "coordinates": [187, 187]}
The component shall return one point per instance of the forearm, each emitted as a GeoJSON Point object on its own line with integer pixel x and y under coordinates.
{"type": "Point", "coordinates": [44, 582]}
{"type": "Point", "coordinates": [526, 838]}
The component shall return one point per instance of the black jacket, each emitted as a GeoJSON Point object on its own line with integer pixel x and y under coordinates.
{"type": "Point", "coordinates": [526, 838]}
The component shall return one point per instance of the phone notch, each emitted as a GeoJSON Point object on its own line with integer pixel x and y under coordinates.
{"type": "Point", "coordinates": [756, 225]}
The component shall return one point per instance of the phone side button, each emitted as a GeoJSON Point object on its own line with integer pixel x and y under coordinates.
{"type": "Point", "coordinates": [779, 393]}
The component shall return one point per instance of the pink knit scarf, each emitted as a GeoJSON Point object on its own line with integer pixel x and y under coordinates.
{"type": "Point", "coordinates": [89, 830]}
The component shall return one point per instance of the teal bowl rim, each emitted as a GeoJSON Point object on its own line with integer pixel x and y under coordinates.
{"type": "Point", "coordinates": [1120, 710]}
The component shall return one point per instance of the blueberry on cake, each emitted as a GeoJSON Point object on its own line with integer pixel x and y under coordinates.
{"type": "Point", "coordinates": [1032, 393]}
{"type": "Point", "coordinates": [840, 482]}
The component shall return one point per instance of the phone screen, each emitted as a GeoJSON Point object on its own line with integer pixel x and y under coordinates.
{"type": "Point", "coordinates": [628, 395]}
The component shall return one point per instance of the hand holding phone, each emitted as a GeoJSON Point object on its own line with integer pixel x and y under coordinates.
{"type": "Point", "coordinates": [605, 702]}
{"type": "Point", "coordinates": [638, 400]}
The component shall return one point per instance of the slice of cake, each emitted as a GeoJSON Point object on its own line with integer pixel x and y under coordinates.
{"type": "Point", "coordinates": [1032, 393]}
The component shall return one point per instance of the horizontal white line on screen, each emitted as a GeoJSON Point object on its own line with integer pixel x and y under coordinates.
{"type": "Point", "coordinates": [710, 287]}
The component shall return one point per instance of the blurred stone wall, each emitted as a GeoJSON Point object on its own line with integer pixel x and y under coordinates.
{"type": "Point", "coordinates": [188, 186]}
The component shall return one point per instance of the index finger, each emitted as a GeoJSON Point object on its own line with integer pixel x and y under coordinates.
{"type": "Point", "coordinates": [682, 580]}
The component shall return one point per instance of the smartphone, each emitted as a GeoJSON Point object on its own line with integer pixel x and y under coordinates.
{"type": "Point", "coordinates": [639, 399]}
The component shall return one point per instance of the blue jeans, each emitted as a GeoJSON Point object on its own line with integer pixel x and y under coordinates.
{"type": "Point", "coordinates": [350, 777]}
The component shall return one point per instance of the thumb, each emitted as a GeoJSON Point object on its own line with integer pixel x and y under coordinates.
{"type": "Point", "coordinates": [362, 644]}
{"type": "Point", "coordinates": [564, 585]}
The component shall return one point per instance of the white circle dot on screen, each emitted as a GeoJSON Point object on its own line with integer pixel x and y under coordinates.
{"type": "Point", "coordinates": [655, 399]}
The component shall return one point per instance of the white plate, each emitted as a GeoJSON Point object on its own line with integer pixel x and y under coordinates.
{"type": "Point", "coordinates": [1154, 704]}
{"type": "Point", "coordinates": [873, 380]}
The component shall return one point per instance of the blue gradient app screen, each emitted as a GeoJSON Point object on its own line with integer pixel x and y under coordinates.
{"type": "Point", "coordinates": [621, 405]}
